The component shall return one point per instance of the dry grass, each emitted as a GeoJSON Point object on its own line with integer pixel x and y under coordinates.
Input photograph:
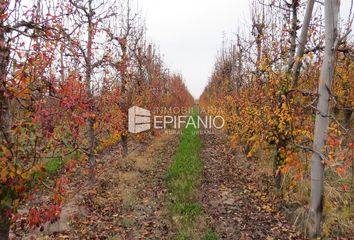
{"type": "Point", "coordinates": [339, 205]}
{"type": "Point", "coordinates": [129, 178]}
{"type": "Point", "coordinates": [129, 197]}
{"type": "Point", "coordinates": [143, 163]}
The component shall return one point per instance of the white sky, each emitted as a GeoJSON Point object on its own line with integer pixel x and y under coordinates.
{"type": "Point", "coordinates": [189, 33]}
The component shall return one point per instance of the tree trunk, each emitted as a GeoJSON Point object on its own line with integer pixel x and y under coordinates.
{"type": "Point", "coordinates": [322, 118]}
{"type": "Point", "coordinates": [279, 161]}
{"type": "Point", "coordinates": [5, 115]}
{"type": "Point", "coordinates": [293, 31]}
{"type": "Point", "coordinates": [125, 100]}
{"type": "Point", "coordinates": [277, 182]}
{"type": "Point", "coordinates": [124, 106]}
{"type": "Point", "coordinates": [89, 92]}
{"type": "Point", "coordinates": [124, 142]}
{"type": "Point", "coordinates": [91, 142]}
{"type": "Point", "coordinates": [302, 42]}
{"type": "Point", "coordinates": [5, 118]}
{"type": "Point", "coordinates": [4, 225]}
{"type": "Point", "coordinates": [347, 117]}
{"type": "Point", "coordinates": [258, 26]}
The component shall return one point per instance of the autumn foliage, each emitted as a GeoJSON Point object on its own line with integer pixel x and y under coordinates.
{"type": "Point", "coordinates": [271, 120]}
{"type": "Point", "coordinates": [54, 83]}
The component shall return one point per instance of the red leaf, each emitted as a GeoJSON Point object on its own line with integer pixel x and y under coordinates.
{"type": "Point", "coordinates": [34, 217]}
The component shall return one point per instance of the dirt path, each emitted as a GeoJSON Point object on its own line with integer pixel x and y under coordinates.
{"type": "Point", "coordinates": [127, 202]}
{"type": "Point", "coordinates": [129, 198]}
{"type": "Point", "coordinates": [236, 207]}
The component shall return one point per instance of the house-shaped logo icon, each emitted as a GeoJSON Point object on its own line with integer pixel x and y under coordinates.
{"type": "Point", "coordinates": [138, 119]}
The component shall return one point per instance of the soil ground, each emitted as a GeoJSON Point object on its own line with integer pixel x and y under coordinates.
{"type": "Point", "coordinates": [130, 198]}
{"type": "Point", "coordinates": [236, 201]}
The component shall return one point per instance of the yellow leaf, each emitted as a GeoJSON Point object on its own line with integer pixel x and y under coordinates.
{"type": "Point", "coordinates": [4, 174]}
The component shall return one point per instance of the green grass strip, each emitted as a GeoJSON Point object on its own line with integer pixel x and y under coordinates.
{"type": "Point", "coordinates": [184, 178]}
